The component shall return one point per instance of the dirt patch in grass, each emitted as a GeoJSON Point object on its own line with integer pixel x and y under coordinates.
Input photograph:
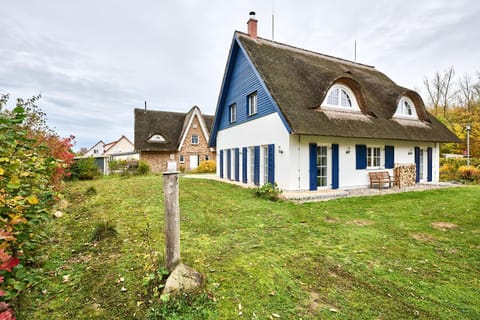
{"type": "Point", "coordinates": [331, 220]}
{"type": "Point", "coordinates": [362, 222]}
{"type": "Point", "coordinates": [316, 304]}
{"type": "Point", "coordinates": [423, 237]}
{"type": "Point", "coordinates": [444, 226]}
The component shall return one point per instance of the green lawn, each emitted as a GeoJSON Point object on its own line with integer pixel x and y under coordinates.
{"type": "Point", "coordinates": [407, 255]}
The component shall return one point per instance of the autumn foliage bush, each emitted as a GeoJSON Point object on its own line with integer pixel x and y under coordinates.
{"type": "Point", "coordinates": [32, 164]}
{"type": "Point", "coordinates": [207, 166]}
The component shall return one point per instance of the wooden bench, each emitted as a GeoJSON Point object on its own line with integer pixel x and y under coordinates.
{"type": "Point", "coordinates": [380, 178]}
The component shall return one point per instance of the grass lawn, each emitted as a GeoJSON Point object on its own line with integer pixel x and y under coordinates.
{"type": "Point", "coordinates": [400, 256]}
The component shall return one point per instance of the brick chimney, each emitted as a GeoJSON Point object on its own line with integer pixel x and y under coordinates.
{"type": "Point", "coordinates": [252, 25]}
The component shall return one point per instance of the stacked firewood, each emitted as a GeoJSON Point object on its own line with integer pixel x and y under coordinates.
{"type": "Point", "coordinates": [405, 174]}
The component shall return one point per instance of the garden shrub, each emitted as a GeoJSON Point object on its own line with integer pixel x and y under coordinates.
{"type": "Point", "coordinates": [469, 173]}
{"type": "Point", "coordinates": [143, 167]}
{"type": "Point", "coordinates": [26, 197]}
{"type": "Point", "coordinates": [85, 169]}
{"type": "Point", "coordinates": [207, 166]}
{"type": "Point", "coordinates": [456, 169]}
{"type": "Point", "coordinates": [268, 191]}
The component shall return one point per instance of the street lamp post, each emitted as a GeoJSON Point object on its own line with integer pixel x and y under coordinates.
{"type": "Point", "coordinates": [468, 143]}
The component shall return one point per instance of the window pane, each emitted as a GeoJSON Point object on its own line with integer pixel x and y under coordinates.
{"type": "Point", "coordinates": [252, 103]}
{"type": "Point", "coordinates": [333, 97]}
{"type": "Point", "coordinates": [345, 101]}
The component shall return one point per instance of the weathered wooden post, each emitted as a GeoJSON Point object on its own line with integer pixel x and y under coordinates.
{"type": "Point", "coordinates": [172, 219]}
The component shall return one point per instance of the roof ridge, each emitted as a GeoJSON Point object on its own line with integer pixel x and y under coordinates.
{"type": "Point", "coordinates": [172, 112]}
{"type": "Point", "coordinates": [292, 47]}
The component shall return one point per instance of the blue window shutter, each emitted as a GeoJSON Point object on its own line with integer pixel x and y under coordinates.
{"type": "Point", "coordinates": [244, 164]}
{"type": "Point", "coordinates": [429, 164]}
{"type": "Point", "coordinates": [237, 164]}
{"type": "Point", "coordinates": [361, 156]}
{"type": "Point", "coordinates": [221, 163]}
{"type": "Point", "coordinates": [417, 164]}
{"type": "Point", "coordinates": [256, 165]}
{"type": "Point", "coordinates": [271, 163]}
{"type": "Point", "coordinates": [389, 157]}
{"type": "Point", "coordinates": [313, 165]}
{"type": "Point", "coordinates": [229, 164]}
{"type": "Point", "coordinates": [335, 166]}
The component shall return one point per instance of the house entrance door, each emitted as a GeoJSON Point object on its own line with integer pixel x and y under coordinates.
{"type": "Point", "coordinates": [193, 162]}
{"type": "Point", "coordinates": [322, 168]}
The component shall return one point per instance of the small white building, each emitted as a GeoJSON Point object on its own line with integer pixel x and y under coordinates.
{"type": "Point", "coordinates": [307, 121]}
{"type": "Point", "coordinates": [121, 149]}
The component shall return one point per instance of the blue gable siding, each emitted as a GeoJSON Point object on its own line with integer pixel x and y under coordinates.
{"type": "Point", "coordinates": [243, 82]}
{"type": "Point", "coordinates": [240, 80]}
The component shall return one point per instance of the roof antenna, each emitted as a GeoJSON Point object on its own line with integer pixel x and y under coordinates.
{"type": "Point", "coordinates": [145, 105]}
{"type": "Point", "coordinates": [355, 51]}
{"type": "Point", "coordinates": [273, 22]}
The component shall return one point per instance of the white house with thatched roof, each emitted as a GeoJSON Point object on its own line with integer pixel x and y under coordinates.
{"type": "Point", "coordinates": [306, 120]}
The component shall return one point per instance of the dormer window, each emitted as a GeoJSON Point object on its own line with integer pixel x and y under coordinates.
{"type": "Point", "coordinates": [156, 138]}
{"type": "Point", "coordinates": [340, 96]}
{"type": "Point", "coordinates": [406, 108]}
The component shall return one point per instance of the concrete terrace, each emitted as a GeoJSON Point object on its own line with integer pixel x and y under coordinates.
{"type": "Point", "coordinates": [328, 194]}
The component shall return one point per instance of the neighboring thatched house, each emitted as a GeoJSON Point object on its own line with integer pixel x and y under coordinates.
{"type": "Point", "coordinates": [170, 141]}
{"type": "Point", "coordinates": [306, 120]}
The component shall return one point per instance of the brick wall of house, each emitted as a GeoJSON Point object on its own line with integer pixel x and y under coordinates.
{"type": "Point", "coordinates": [158, 160]}
{"type": "Point", "coordinates": [201, 149]}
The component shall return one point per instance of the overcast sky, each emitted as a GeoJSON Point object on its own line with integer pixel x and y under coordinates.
{"type": "Point", "coordinates": [94, 61]}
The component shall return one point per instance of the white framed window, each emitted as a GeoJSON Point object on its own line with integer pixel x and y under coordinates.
{"type": "Point", "coordinates": [182, 158]}
{"type": "Point", "coordinates": [194, 139]}
{"type": "Point", "coordinates": [340, 96]}
{"type": "Point", "coordinates": [265, 164]}
{"type": "Point", "coordinates": [252, 104]}
{"type": "Point", "coordinates": [251, 152]}
{"type": "Point", "coordinates": [95, 151]}
{"type": "Point", "coordinates": [172, 156]}
{"type": "Point", "coordinates": [406, 108]}
{"type": "Point", "coordinates": [322, 166]}
{"type": "Point", "coordinates": [374, 157]}
{"type": "Point", "coordinates": [157, 138]}
{"type": "Point", "coordinates": [233, 113]}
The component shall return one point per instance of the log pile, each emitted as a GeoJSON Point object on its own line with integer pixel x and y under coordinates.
{"type": "Point", "coordinates": [405, 174]}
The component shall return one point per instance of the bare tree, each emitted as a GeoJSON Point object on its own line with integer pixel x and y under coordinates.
{"type": "Point", "coordinates": [440, 91]}
{"type": "Point", "coordinates": [447, 95]}
{"type": "Point", "coordinates": [467, 92]}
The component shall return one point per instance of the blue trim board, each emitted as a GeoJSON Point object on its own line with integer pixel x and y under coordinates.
{"type": "Point", "coordinates": [221, 164]}
{"type": "Point", "coordinates": [417, 164]}
{"type": "Point", "coordinates": [429, 164]}
{"type": "Point", "coordinates": [389, 157]}
{"type": "Point", "coordinates": [335, 166]}
{"type": "Point", "coordinates": [313, 166]}
{"type": "Point", "coordinates": [271, 163]}
{"type": "Point", "coordinates": [244, 164]}
{"type": "Point", "coordinates": [229, 164]}
{"type": "Point", "coordinates": [256, 165]}
{"type": "Point", "coordinates": [237, 164]}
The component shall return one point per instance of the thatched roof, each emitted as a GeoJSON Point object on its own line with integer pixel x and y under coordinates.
{"type": "Point", "coordinates": [170, 125]}
{"type": "Point", "coordinates": [299, 80]}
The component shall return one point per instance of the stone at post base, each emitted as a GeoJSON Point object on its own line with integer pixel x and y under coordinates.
{"type": "Point", "coordinates": [183, 279]}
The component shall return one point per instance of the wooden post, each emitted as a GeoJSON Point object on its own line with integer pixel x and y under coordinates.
{"type": "Point", "coordinates": [172, 219]}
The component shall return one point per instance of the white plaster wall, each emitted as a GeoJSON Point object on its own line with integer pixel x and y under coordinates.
{"type": "Point", "coordinates": [292, 153]}
{"type": "Point", "coordinates": [349, 176]}
{"type": "Point", "coordinates": [263, 131]}
{"type": "Point", "coordinates": [121, 146]}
